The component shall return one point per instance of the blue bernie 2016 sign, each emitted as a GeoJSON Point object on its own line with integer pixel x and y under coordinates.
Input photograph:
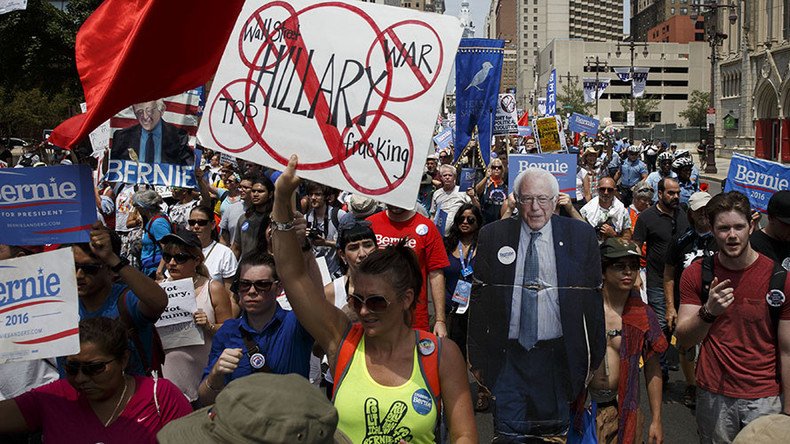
{"type": "Point", "coordinates": [561, 166]}
{"type": "Point", "coordinates": [579, 123]}
{"type": "Point", "coordinates": [757, 179]}
{"type": "Point", "coordinates": [46, 205]}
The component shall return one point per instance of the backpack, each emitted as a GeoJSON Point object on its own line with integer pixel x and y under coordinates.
{"type": "Point", "coordinates": [429, 363]}
{"type": "Point", "coordinates": [157, 351]}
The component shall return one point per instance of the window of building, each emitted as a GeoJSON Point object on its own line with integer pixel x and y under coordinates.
{"type": "Point", "coordinates": [672, 11]}
{"type": "Point", "coordinates": [534, 27]}
{"type": "Point", "coordinates": [676, 70]}
{"type": "Point", "coordinates": [683, 97]}
{"type": "Point", "coordinates": [535, 10]}
{"type": "Point", "coordinates": [535, 44]}
{"type": "Point", "coordinates": [534, 36]}
{"type": "Point", "coordinates": [534, 2]}
{"type": "Point", "coordinates": [699, 25]}
{"type": "Point", "coordinates": [417, 4]}
{"type": "Point", "coordinates": [699, 37]}
{"type": "Point", "coordinates": [526, 27]}
{"type": "Point", "coordinates": [535, 19]}
{"type": "Point", "coordinates": [684, 11]}
{"type": "Point", "coordinates": [526, 10]}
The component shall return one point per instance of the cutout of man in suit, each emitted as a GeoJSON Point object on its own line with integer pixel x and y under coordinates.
{"type": "Point", "coordinates": [152, 140]}
{"type": "Point", "coordinates": [536, 325]}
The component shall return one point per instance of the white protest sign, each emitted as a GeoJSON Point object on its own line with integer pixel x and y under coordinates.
{"type": "Point", "coordinates": [38, 307]}
{"type": "Point", "coordinates": [350, 87]}
{"type": "Point", "coordinates": [99, 137]}
{"type": "Point", "coordinates": [181, 302]}
{"type": "Point", "coordinates": [12, 5]}
{"type": "Point", "coordinates": [506, 119]}
{"type": "Point", "coordinates": [180, 335]}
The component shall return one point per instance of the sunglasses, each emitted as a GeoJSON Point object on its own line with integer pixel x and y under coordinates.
{"type": "Point", "coordinates": [72, 368]}
{"type": "Point", "coordinates": [623, 266]}
{"type": "Point", "coordinates": [180, 258]}
{"type": "Point", "coordinates": [200, 222]}
{"type": "Point", "coordinates": [471, 220]}
{"type": "Point", "coordinates": [261, 286]}
{"type": "Point", "coordinates": [496, 167]}
{"type": "Point", "coordinates": [605, 190]}
{"type": "Point", "coordinates": [374, 304]}
{"type": "Point", "coordinates": [88, 268]}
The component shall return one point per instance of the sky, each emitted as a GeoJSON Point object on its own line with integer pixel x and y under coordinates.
{"type": "Point", "coordinates": [479, 10]}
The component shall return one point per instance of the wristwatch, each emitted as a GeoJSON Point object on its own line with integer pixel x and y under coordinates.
{"type": "Point", "coordinates": [117, 267]}
{"type": "Point", "coordinates": [283, 226]}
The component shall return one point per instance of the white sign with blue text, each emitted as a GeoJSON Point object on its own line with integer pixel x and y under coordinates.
{"type": "Point", "coordinates": [38, 307]}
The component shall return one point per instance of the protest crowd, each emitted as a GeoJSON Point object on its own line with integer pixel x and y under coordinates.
{"type": "Point", "coordinates": [295, 277]}
{"type": "Point", "coordinates": [540, 286]}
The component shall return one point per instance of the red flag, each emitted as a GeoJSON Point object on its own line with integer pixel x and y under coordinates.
{"type": "Point", "coordinates": [132, 51]}
{"type": "Point", "coordinates": [524, 120]}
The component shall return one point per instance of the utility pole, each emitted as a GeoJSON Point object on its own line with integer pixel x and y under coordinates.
{"type": "Point", "coordinates": [598, 63]}
{"type": "Point", "coordinates": [715, 39]}
{"type": "Point", "coordinates": [632, 46]}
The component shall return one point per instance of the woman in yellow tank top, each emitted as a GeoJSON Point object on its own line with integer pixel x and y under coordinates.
{"type": "Point", "coordinates": [390, 379]}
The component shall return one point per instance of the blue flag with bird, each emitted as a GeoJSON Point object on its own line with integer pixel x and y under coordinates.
{"type": "Point", "coordinates": [478, 69]}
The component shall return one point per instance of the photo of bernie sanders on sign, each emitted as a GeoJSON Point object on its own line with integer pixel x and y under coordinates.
{"type": "Point", "coordinates": [147, 149]}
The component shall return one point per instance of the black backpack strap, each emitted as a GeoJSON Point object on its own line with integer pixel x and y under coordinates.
{"type": "Point", "coordinates": [253, 349]}
{"type": "Point", "coordinates": [777, 284]}
{"type": "Point", "coordinates": [707, 277]}
{"type": "Point", "coordinates": [134, 335]}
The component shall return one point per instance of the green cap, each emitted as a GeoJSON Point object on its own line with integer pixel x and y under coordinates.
{"type": "Point", "coordinates": [261, 408]}
{"type": "Point", "coordinates": [615, 248]}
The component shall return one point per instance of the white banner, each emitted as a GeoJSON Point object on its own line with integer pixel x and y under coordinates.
{"type": "Point", "coordinates": [12, 5]}
{"type": "Point", "coordinates": [181, 302]}
{"type": "Point", "coordinates": [623, 73]}
{"type": "Point", "coordinates": [352, 88]}
{"type": "Point", "coordinates": [506, 119]}
{"type": "Point", "coordinates": [38, 307]}
{"type": "Point", "coordinates": [640, 81]}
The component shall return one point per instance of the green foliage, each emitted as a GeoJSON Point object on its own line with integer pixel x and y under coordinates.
{"type": "Point", "coordinates": [643, 107]}
{"type": "Point", "coordinates": [571, 99]}
{"type": "Point", "coordinates": [39, 84]}
{"type": "Point", "coordinates": [697, 109]}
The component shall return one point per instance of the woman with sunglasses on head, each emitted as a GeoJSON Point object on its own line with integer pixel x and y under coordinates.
{"type": "Point", "coordinates": [265, 338]}
{"type": "Point", "coordinates": [390, 378]}
{"type": "Point", "coordinates": [97, 401]}
{"type": "Point", "coordinates": [218, 259]}
{"type": "Point", "coordinates": [492, 191]}
{"type": "Point", "coordinates": [183, 258]}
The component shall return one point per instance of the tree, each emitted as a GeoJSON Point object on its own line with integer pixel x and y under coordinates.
{"type": "Point", "coordinates": [571, 100]}
{"type": "Point", "coordinates": [643, 106]}
{"type": "Point", "coordinates": [697, 110]}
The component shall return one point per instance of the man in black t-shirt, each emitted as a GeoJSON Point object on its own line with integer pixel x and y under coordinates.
{"type": "Point", "coordinates": [656, 226]}
{"type": "Point", "coordinates": [774, 240]}
{"type": "Point", "coordinates": [686, 247]}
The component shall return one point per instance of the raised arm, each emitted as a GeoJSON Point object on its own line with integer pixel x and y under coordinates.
{"type": "Point", "coordinates": [324, 321]}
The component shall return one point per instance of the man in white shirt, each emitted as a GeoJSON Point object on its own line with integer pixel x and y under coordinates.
{"type": "Point", "coordinates": [448, 199]}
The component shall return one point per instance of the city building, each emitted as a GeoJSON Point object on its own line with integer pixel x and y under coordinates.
{"type": "Point", "coordinates": [678, 29]}
{"type": "Point", "coordinates": [538, 22]}
{"type": "Point", "coordinates": [466, 20]}
{"type": "Point", "coordinates": [648, 14]}
{"type": "Point", "coordinates": [501, 24]}
{"type": "Point", "coordinates": [675, 70]}
{"type": "Point", "coordinates": [753, 80]}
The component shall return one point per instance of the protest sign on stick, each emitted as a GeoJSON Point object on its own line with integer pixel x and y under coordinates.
{"type": "Point", "coordinates": [38, 307]}
{"type": "Point", "coordinates": [506, 119]}
{"type": "Point", "coordinates": [758, 179]}
{"type": "Point", "coordinates": [358, 107]}
{"type": "Point", "coordinates": [561, 166]}
{"type": "Point", "coordinates": [176, 326]}
{"type": "Point", "coordinates": [548, 130]}
{"type": "Point", "coordinates": [46, 205]}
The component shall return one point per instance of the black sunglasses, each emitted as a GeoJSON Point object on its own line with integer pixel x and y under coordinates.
{"type": "Point", "coordinates": [201, 222]}
{"type": "Point", "coordinates": [605, 190]}
{"type": "Point", "coordinates": [374, 304]}
{"type": "Point", "coordinates": [261, 286]}
{"type": "Point", "coordinates": [496, 167]}
{"type": "Point", "coordinates": [469, 219]}
{"type": "Point", "coordinates": [88, 268]}
{"type": "Point", "coordinates": [72, 368]}
{"type": "Point", "coordinates": [180, 258]}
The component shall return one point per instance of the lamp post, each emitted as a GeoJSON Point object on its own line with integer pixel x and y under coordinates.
{"type": "Point", "coordinates": [715, 39]}
{"type": "Point", "coordinates": [632, 46]}
{"type": "Point", "coordinates": [598, 63]}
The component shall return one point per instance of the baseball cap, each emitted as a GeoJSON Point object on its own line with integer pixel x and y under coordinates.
{"type": "Point", "coordinates": [183, 236]}
{"type": "Point", "coordinates": [615, 248]}
{"type": "Point", "coordinates": [362, 206]}
{"type": "Point", "coordinates": [698, 200]}
{"type": "Point", "coordinates": [779, 206]}
{"type": "Point", "coordinates": [764, 430]}
{"type": "Point", "coordinates": [252, 410]}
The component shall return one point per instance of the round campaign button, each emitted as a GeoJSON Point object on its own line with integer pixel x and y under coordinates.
{"type": "Point", "coordinates": [786, 264]}
{"type": "Point", "coordinates": [775, 298]}
{"type": "Point", "coordinates": [422, 229]}
{"type": "Point", "coordinates": [506, 255]}
{"type": "Point", "coordinates": [257, 360]}
{"type": "Point", "coordinates": [421, 401]}
{"type": "Point", "coordinates": [426, 347]}
{"type": "Point", "coordinates": [245, 226]}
